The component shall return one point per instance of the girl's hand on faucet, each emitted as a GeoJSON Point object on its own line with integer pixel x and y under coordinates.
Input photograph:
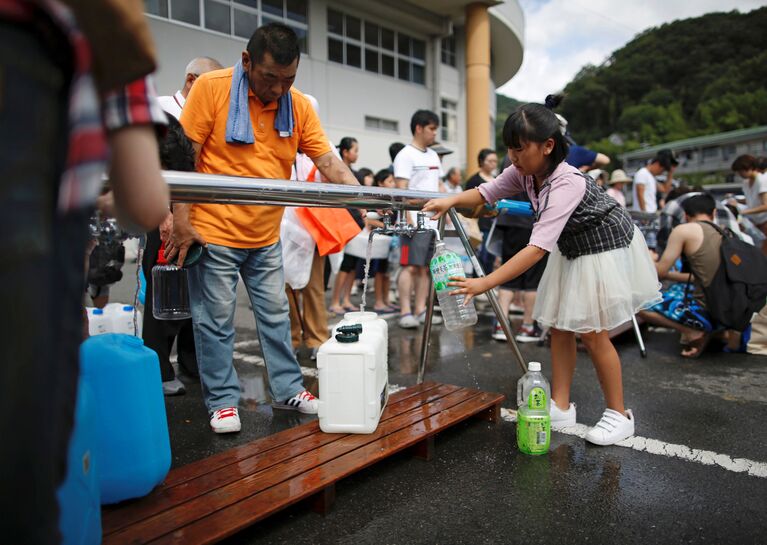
{"type": "Point", "coordinates": [438, 207]}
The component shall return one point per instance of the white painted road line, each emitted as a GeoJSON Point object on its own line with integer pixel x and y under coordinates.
{"type": "Point", "coordinates": [246, 344]}
{"type": "Point", "coordinates": [670, 450]}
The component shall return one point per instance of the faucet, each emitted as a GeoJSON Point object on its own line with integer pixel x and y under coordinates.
{"type": "Point", "coordinates": [402, 227]}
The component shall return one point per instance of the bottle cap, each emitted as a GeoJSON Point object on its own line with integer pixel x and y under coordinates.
{"type": "Point", "coordinates": [534, 366]}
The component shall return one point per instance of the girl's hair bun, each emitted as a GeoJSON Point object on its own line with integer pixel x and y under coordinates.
{"type": "Point", "coordinates": [552, 101]}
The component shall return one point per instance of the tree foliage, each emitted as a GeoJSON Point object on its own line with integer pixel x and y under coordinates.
{"type": "Point", "coordinates": [682, 79]}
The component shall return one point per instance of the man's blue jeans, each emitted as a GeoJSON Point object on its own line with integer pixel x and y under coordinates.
{"type": "Point", "coordinates": [213, 294]}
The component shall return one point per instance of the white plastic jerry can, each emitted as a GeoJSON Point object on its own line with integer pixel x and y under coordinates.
{"type": "Point", "coordinates": [121, 316]}
{"type": "Point", "coordinates": [354, 375]}
{"type": "Point", "coordinates": [98, 322]}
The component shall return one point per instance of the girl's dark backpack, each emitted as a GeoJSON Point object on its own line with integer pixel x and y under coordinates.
{"type": "Point", "coordinates": [739, 287]}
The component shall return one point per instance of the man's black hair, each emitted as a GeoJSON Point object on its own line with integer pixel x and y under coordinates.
{"type": "Point", "coordinates": [423, 118]}
{"type": "Point", "coordinates": [277, 39]}
{"type": "Point", "coordinates": [176, 150]}
{"type": "Point", "coordinates": [744, 162]}
{"type": "Point", "coordinates": [699, 204]}
{"type": "Point", "coordinates": [394, 149]}
{"type": "Point", "coordinates": [665, 158]}
{"type": "Point", "coordinates": [535, 123]}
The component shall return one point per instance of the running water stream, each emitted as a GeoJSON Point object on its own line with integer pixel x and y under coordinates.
{"type": "Point", "coordinates": [366, 271]}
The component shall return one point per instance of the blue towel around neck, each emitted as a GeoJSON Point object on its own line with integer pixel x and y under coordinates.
{"type": "Point", "coordinates": [239, 129]}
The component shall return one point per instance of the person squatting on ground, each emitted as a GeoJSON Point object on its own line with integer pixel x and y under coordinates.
{"type": "Point", "coordinates": [417, 167]}
{"type": "Point", "coordinates": [247, 120]}
{"type": "Point", "coordinates": [599, 271]}
{"type": "Point", "coordinates": [68, 108]}
{"type": "Point", "coordinates": [176, 153]}
{"type": "Point", "coordinates": [684, 307]}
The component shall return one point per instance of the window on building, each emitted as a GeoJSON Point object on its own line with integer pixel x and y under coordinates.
{"type": "Point", "coordinates": [449, 120]}
{"type": "Point", "coordinates": [380, 124]}
{"type": "Point", "coordinates": [710, 154]}
{"type": "Point", "coordinates": [364, 44]}
{"type": "Point", "coordinates": [728, 152]}
{"type": "Point", "coordinates": [156, 7]}
{"type": "Point", "coordinates": [448, 51]}
{"type": "Point", "coordinates": [185, 11]}
{"type": "Point", "coordinates": [235, 17]}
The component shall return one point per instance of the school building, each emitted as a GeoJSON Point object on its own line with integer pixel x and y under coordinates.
{"type": "Point", "coordinates": [369, 63]}
{"type": "Point", "coordinates": [707, 158]}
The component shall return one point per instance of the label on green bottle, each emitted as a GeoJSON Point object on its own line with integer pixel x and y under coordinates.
{"type": "Point", "coordinates": [533, 433]}
{"type": "Point", "coordinates": [537, 399]}
{"type": "Point", "coordinates": [443, 267]}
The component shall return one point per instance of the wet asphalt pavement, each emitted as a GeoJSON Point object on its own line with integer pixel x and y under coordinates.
{"type": "Point", "coordinates": [480, 489]}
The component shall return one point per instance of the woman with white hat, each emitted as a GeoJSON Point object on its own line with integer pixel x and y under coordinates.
{"type": "Point", "coordinates": [618, 179]}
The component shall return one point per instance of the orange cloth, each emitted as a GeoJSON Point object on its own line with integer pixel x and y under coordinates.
{"type": "Point", "coordinates": [204, 121]}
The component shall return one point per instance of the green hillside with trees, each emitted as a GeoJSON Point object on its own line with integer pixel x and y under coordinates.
{"type": "Point", "coordinates": [686, 78]}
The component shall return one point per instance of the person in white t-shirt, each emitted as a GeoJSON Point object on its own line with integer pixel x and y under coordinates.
{"type": "Point", "coordinates": [173, 104]}
{"type": "Point", "coordinates": [417, 167]}
{"type": "Point", "coordinates": [646, 185]}
{"type": "Point", "coordinates": [755, 191]}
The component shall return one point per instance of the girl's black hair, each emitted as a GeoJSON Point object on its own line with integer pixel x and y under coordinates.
{"type": "Point", "coordinates": [535, 123]}
{"type": "Point", "coordinates": [347, 143]}
{"type": "Point", "coordinates": [380, 176]}
{"type": "Point", "coordinates": [363, 173]}
{"type": "Point", "coordinates": [483, 153]}
{"type": "Point", "coordinates": [552, 101]}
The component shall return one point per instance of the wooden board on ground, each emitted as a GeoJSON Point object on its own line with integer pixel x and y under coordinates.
{"type": "Point", "coordinates": [211, 499]}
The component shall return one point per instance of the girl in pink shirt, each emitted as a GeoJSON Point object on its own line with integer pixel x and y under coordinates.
{"type": "Point", "coordinates": [599, 272]}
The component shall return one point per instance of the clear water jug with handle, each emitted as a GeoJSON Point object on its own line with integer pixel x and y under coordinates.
{"type": "Point", "coordinates": [170, 290]}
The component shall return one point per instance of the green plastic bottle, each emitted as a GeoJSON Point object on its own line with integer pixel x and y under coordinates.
{"type": "Point", "coordinates": [533, 420]}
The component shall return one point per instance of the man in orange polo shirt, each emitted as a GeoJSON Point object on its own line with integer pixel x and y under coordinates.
{"type": "Point", "coordinates": [247, 131]}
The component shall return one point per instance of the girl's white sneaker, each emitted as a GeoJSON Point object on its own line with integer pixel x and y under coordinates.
{"type": "Point", "coordinates": [612, 428]}
{"type": "Point", "coordinates": [560, 418]}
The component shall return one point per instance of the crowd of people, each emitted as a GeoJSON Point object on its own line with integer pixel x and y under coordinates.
{"type": "Point", "coordinates": [577, 268]}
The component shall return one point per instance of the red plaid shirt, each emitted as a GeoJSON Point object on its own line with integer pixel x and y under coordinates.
{"type": "Point", "coordinates": [90, 116]}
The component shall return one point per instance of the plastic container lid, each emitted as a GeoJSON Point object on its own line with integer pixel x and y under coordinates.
{"type": "Point", "coordinates": [98, 311]}
{"type": "Point", "coordinates": [534, 366]}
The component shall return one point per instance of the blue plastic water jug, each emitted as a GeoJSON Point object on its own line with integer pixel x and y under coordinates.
{"type": "Point", "coordinates": [79, 500]}
{"type": "Point", "coordinates": [133, 447]}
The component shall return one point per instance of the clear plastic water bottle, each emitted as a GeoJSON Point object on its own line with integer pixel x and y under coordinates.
{"type": "Point", "coordinates": [533, 419]}
{"type": "Point", "coordinates": [444, 265]}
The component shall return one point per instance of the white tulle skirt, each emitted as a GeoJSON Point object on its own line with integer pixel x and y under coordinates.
{"type": "Point", "coordinates": [599, 291]}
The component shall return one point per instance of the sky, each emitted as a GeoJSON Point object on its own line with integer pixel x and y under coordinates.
{"type": "Point", "coordinates": [561, 36]}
